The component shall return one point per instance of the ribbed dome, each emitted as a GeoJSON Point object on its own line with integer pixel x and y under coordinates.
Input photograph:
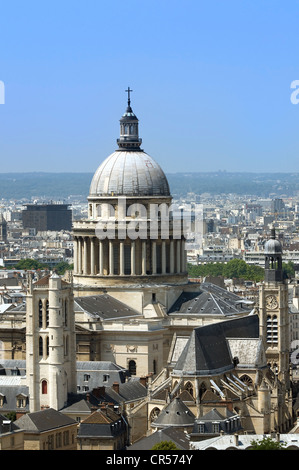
{"type": "Point", "coordinates": [129, 174]}
{"type": "Point", "coordinates": [273, 245]}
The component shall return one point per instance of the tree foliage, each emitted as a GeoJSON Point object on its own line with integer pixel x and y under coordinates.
{"type": "Point", "coordinates": [165, 445]}
{"type": "Point", "coordinates": [235, 268]}
{"type": "Point", "coordinates": [267, 443]}
{"type": "Point", "coordinates": [33, 264]}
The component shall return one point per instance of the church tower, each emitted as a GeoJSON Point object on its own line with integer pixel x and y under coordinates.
{"type": "Point", "coordinates": [50, 343]}
{"type": "Point", "coordinates": [274, 312]}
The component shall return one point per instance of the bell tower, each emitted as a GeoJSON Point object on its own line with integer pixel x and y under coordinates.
{"type": "Point", "coordinates": [274, 312]}
{"type": "Point", "coordinates": [50, 343]}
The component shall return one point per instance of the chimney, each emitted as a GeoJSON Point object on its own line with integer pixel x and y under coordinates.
{"type": "Point", "coordinates": [115, 387]}
{"type": "Point", "coordinates": [98, 392]}
{"type": "Point", "coordinates": [143, 381]}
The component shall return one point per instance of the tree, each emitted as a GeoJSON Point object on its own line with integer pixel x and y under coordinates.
{"type": "Point", "coordinates": [63, 266]}
{"type": "Point", "coordinates": [29, 264]}
{"type": "Point", "coordinates": [288, 269]}
{"type": "Point", "coordinates": [267, 443]}
{"type": "Point", "coordinates": [165, 445]}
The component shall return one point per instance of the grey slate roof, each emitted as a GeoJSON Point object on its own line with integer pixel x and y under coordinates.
{"type": "Point", "coordinates": [100, 373]}
{"type": "Point", "coordinates": [11, 389]}
{"type": "Point", "coordinates": [103, 306]}
{"type": "Point", "coordinates": [175, 414]}
{"type": "Point", "coordinates": [128, 391]}
{"type": "Point", "coordinates": [177, 436]}
{"type": "Point", "coordinates": [211, 299]}
{"type": "Point", "coordinates": [41, 421]}
{"type": "Point", "coordinates": [207, 351]}
{"type": "Point", "coordinates": [228, 422]}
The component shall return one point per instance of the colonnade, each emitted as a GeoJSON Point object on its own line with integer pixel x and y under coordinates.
{"type": "Point", "coordinates": [128, 257]}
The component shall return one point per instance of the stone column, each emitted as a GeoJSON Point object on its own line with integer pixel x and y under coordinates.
{"type": "Point", "coordinates": [75, 255]}
{"type": "Point", "coordinates": [101, 258]}
{"type": "Point", "coordinates": [92, 257]}
{"type": "Point", "coordinates": [85, 257]}
{"type": "Point", "coordinates": [163, 255]}
{"type": "Point", "coordinates": [154, 258]}
{"type": "Point", "coordinates": [178, 256]}
{"type": "Point", "coordinates": [143, 259]}
{"type": "Point", "coordinates": [183, 257]}
{"type": "Point", "coordinates": [171, 261]}
{"type": "Point", "coordinates": [121, 259]}
{"type": "Point", "coordinates": [79, 255]}
{"type": "Point", "coordinates": [111, 258]}
{"type": "Point", "coordinates": [133, 257]}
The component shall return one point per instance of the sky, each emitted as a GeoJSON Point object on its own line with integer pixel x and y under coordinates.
{"type": "Point", "coordinates": [211, 83]}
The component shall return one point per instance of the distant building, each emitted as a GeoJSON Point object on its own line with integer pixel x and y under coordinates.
{"type": "Point", "coordinates": [45, 217]}
{"type": "Point", "coordinates": [3, 229]}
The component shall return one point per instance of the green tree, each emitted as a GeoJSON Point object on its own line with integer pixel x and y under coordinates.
{"type": "Point", "coordinates": [165, 445]}
{"type": "Point", "coordinates": [29, 263]}
{"type": "Point", "coordinates": [267, 443]}
{"type": "Point", "coordinates": [288, 269]}
{"type": "Point", "coordinates": [63, 266]}
{"type": "Point", "coordinates": [235, 268]}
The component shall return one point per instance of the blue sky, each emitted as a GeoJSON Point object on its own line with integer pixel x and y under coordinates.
{"type": "Point", "coordinates": [211, 83]}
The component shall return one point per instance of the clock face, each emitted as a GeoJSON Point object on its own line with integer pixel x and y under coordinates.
{"type": "Point", "coordinates": [271, 302]}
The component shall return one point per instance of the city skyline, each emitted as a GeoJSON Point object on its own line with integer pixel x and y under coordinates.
{"type": "Point", "coordinates": [212, 84]}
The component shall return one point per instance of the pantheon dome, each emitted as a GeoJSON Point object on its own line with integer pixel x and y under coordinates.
{"type": "Point", "coordinates": [129, 171]}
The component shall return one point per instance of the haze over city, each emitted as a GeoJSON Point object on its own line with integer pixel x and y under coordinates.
{"type": "Point", "coordinates": [211, 83]}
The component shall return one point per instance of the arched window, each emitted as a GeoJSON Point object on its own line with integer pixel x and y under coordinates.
{"type": "Point", "coordinates": [47, 313]}
{"type": "Point", "coordinates": [65, 312]}
{"type": "Point", "coordinates": [44, 387]}
{"type": "Point", "coordinates": [66, 345]}
{"type": "Point", "coordinates": [40, 314]}
{"type": "Point", "coordinates": [202, 390]}
{"type": "Point", "coordinates": [132, 367]}
{"type": "Point", "coordinates": [40, 346]}
{"type": "Point", "coordinates": [154, 414]}
{"type": "Point", "coordinates": [189, 388]}
{"type": "Point", "coordinates": [247, 381]}
{"type": "Point", "coordinates": [47, 345]}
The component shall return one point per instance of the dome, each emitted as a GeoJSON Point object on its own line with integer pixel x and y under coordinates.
{"type": "Point", "coordinates": [129, 173]}
{"type": "Point", "coordinates": [272, 246]}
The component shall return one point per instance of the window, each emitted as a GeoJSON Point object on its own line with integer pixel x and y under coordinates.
{"type": "Point", "coordinates": [215, 427]}
{"type": "Point", "coordinates": [58, 440]}
{"type": "Point", "coordinates": [86, 377]}
{"type": "Point", "coordinates": [40, 346]}
{"type": "Point", "coordinates": [21, 401]}
{"type": "Point", "coordinates": [40, 314]}
{"type": "Point", "coordinates": [201, 428]}
{"type": "Point", "coordinates": [66, 438]}
{"type": "Point", "coordinates": [272, 329]}
{"type": "Point", "coordinates": [65, 312]}
{"type": "Point", "coordinates": [132, 367]}
{"type": "Point", "coordinates": [47, 313]}
{"type": "Point", "coordinates": [44, 387]}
